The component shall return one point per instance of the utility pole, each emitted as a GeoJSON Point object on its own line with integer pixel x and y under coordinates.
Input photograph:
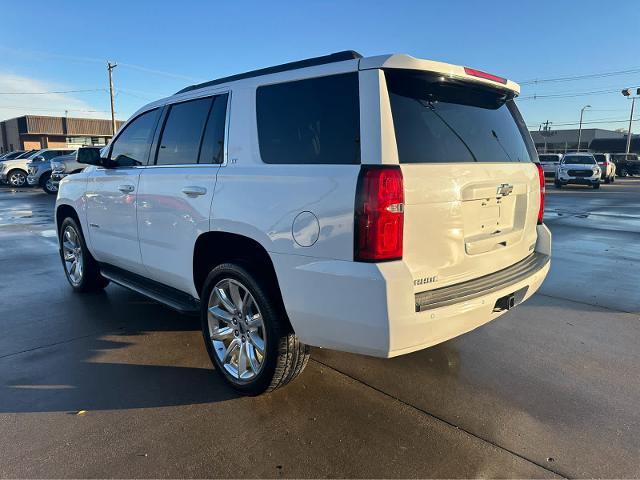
{"type": "Point", "coordinates": [110, 67]}
{"type": "Point", "coordinates": [580, 129]}
{"type": "Point", "coordinates": [545, 131]}
{"type": "Point", "coordinates": [627, 93]}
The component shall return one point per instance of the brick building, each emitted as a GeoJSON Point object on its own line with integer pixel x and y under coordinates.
{"type": "Point", "coordinates": [37, 131]}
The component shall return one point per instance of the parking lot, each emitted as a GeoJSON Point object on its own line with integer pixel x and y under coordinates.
{"type": "Point", "coordinates": [116, 385]}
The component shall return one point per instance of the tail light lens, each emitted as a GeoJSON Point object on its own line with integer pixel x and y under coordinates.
{"type": "Point", "coordinates": [379, 214]}
{"type": "Point", "coordinates": [542, 191]}
{"type": "Point", "coordinates": [487, 76]}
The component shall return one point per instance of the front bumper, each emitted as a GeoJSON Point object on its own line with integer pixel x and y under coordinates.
{"type": "Point", "coordinates": [565, 179]}
{"type": "Point", "coordinates": [372, 309]}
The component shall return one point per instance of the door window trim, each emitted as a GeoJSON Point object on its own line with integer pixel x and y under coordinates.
{"type": "Point", "coordinates": [153, 158]}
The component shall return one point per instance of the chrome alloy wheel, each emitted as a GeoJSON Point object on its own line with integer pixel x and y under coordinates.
{"type": "Point", "coordinates": [236, 329]}
{"type": "Point", "coordinates": [72, 254]}
{"type": "Point", "coordinates": [50, 186]}
{"type": "Point", "coordinates": [17, 179]}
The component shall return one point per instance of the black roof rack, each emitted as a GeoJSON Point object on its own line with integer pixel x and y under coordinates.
{"type": "Point", "coordinates": [309, 62]}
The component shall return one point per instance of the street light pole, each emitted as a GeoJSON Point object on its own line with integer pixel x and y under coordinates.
{"type": "Point", "coordinates": [633, 102]}
{"type": "Point", "coordinates": [627, 93]}
{"type": "Point", "coordinates": [580, 129]}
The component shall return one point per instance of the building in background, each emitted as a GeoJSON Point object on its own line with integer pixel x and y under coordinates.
{"type": "Point", "coordinates": [561, 141]}
{"type": "Point", "coordinates": [37, 131]}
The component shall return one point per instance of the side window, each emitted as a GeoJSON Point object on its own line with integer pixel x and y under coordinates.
{"type": "Point", "coordinates": [131, 148]}
{"type": "Point", "coordinates": [182, 132]}
{"type": "Point", "coordinates": [49, 154]}
{"type": "Point", "coordinates": [314, 121]}
{"type": "Point", "coordinates": [212, 150]}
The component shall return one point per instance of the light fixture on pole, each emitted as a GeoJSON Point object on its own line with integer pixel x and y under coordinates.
{"type": "Point", "coordinates": [627, 92]}
{"type": "Point", "coordinates": [580, 129]}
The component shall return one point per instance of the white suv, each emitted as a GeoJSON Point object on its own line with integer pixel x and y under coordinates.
{"type": "Point", "coordinates": [373, 205]}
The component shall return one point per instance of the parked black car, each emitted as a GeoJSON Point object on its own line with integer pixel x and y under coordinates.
{"type": "Point", "coordinates": [626, 164]}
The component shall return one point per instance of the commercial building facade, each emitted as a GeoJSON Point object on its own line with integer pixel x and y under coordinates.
{"type": "Point", "coordinates": [561, 141]}
{"type": "Point", "coordinates": [37, 131]}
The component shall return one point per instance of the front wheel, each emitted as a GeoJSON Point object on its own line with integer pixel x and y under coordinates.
{"type": "Point", "coordinates": [80, 267]}
{"type": "Point", "coordinates": [48, 185]}
{"type": "Point", "coordinates": [596, 186]}
{"type": "Point", "coordinates": [557, 184]}
{"type": "Point", "coordinates": [246, 332]}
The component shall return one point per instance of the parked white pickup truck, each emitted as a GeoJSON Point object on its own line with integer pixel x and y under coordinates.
{"type": "Point", "coordinates": [373, 205]}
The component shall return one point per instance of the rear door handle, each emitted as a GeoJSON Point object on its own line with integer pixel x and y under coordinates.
{"type": "Point", "coordinates": [194, 191]}
{"type": "Point", "coordinates": [126, 188]}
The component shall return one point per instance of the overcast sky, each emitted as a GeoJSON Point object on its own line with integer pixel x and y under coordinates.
{"type": "Point", "coordinates": [63, 46]}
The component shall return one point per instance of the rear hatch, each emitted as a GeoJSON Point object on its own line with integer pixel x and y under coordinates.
{"type": "Point", "coordinates": [472, 191]}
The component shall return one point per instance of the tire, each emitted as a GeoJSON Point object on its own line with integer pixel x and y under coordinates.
{"type": "Point", "coordinates": [596, 186]}
{"type": "Point", "coordinates": [624, 172]}
{"type": "Point", "coordinates": [48, 186]}
{"type": "Point", "coordinates": [284, 356]}
{"type": "Point", "coordinates": [557, 184]}
{"type": "Point", "coordinates": [17, 178]}
{"type": "Point", "coordinates": [607, 180]}
{"type": "Point", "coordinates": [612, 179]}
{"type": "Point", "coordinates": [74, 248]}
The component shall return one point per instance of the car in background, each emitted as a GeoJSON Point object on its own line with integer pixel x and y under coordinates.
{"type": "Point", "coordinates": [68, 165]}
{"type": "Point", "coordinates": [579, 169]}
{"type": "Point", "coordinates": [607, 167]}
{"type": "Point", "coordinates": [549, 162]}
{"type": "Point", "coordinates": [40, 175]}
{"type": "Point", "coordinates": [15, 171]}
{"type": "Point", "coordinates": [627, 164]}
{"type": "Point", "coordinates": [27, 153]}
{"type": "Point", "coordinates": [11, 155]}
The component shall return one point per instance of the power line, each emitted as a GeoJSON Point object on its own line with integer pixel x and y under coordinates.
{"type": "Point", "coordinates": [17, 107]}
{"type": "Point", "coordinates": [54, 92]}
{"type": "Point", "coordinates": [581, 77]}
{"type": "Point", "coordinates": [568, 94]}
{"type": "Point", "coordinates": [532, 125]}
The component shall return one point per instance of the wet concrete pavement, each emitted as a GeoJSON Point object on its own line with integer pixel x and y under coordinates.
{"type": "Point", "coordinates": [550, 389]}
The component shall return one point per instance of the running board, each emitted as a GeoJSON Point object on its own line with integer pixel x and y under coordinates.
{"type": "Point", "coordinates": [169, 296]}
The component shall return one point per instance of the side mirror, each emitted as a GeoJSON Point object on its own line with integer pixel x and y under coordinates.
{"type": "Point", "coordinates": [90, 156]}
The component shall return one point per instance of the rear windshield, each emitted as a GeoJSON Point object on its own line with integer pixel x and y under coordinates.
{"type": "Point", "coordinates": [578, 160]}
{"type": "Point", "coordinates": [548, 158]}
{"type": "Point", "coordinates": [440, 119]}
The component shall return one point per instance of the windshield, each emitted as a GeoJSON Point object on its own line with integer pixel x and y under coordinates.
{"type": "Point", "coordinates": [438, 120]}
{"type": "Point", "coordinates": [578, 160]}
{"type": "Point", "coordinates": [600, 157]}
{"type": "Point", "coordinates": [548, 158]}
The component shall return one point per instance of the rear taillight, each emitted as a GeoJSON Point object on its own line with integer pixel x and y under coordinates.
{"type": "Point", "coordinates": [379, 214]}
{"type": "Point", "coordinates": [487, 76]}
{"type": "Point", "coordinates": [542, 190]}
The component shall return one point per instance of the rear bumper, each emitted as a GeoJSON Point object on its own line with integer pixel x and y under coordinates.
{"type": "Point", "coordinates": [372, 309]}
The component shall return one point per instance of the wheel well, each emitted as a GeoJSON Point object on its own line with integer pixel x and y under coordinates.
{"type": "Point", "coordinates": [213, 248]}
{"type": "Point", "coordinates": [65, 211]}
{"type": "Point", "coordinates": [18, 169]}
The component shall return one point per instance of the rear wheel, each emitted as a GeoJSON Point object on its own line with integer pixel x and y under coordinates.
{"type": "Point", "coordinates": [596, 186]}
{"type": "Point", "coordinates": [607, 179]}
{"type": "Point", "coordinates": [246, 332]}
{"type": "Point", "coordinates": [17, 178]}
{"type": "Point", "coordinates": [557, 184]}
{"type": "Point", "coordinates": [624, 172]}
{"type": "Point", "coordinates": [80, 267]}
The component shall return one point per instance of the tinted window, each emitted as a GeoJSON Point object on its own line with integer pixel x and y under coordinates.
{"type": "Point", "coordinates": [600, 158]}
{"type": "Point", "coordinates": [132, 145]}
{"type": "Point", "coordinates": [548, 158]}
{"type": "Point", "coordinates": [212, 150]}
{"type": "Point", "coordinates": [578, 160]}
{"type": "Point", "coordinates": [310, 121]}
{"type": "Point", "coordinates": [446, 120]}
{"type": "Point", "coordinates": [182, 132]}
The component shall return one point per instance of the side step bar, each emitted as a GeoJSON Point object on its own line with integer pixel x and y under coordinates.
{"type": "Point", "coordinates": [180, 301]}
{"type": "Point", "coordinates": [460, 292]}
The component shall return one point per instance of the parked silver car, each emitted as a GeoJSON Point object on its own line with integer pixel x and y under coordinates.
{"type": "Point", "coordinates": [40, 174]}
{"type": "Point", "coordinates": [549, 162]}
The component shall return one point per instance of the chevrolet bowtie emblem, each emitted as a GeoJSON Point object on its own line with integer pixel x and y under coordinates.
{"type": "Point", "coordinates": [505, 189]}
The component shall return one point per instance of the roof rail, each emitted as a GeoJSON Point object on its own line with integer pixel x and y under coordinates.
{"type": "Point", "coordinates": [309, 62]}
